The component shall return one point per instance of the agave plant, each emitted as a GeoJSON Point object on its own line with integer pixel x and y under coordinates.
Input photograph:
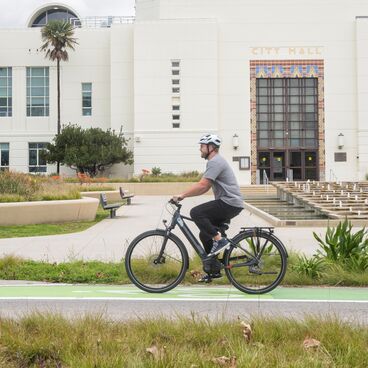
{"type": "Point", "coordinates": [343, 246]}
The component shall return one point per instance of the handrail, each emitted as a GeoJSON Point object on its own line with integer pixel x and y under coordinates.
{"type": "Point", "coordinates": [265, 179]}
{"type": "Point", "coordinates": [100, 21]}
{"type": "Point", "coordinates": [333, 177]}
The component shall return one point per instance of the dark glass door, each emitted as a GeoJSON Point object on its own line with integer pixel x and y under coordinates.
{"type": "Point", "coordinates": [276, 164]}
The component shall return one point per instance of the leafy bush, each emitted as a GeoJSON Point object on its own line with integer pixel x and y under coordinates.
{"type": "Point", "coordinates": [343, 246]}
{"type": "Point", "coordinates": [88, 151]}
{"type": "Point", "coordinates": [156, 171]}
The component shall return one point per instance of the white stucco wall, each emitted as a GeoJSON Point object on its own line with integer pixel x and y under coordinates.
{"type": "Point", "coordinates": [362, 95]}
{"type": "Point", "coordinates": [129, 66]}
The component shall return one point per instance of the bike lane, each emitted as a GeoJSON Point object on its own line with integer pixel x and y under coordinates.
{"type": "Point", "coordinates": [215, 293]}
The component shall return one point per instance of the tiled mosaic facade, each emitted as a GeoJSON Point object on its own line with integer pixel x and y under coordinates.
{"type": "Point", "coordinates": [287, 69]}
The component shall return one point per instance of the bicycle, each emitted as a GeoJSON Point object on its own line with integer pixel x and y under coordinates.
{"type": "Point", "coordinates": [156, 261]}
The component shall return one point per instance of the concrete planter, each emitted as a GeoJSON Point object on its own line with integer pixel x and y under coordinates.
{"type": "Point", "coordinates": [111, 195]}
{"type": "Point", "coordinates": [41, 212]}
{"type": "Point", "coordinates": [146, 188]}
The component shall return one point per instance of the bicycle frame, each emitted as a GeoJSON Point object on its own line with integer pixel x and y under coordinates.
{"type": "Point", "coordinates": [178, 219]}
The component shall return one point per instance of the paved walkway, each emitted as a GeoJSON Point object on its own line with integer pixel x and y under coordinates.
{"type": "Point", "coordinates": [126, 302]}
{"type": "Point", "coordinates": [109, 239]}
{"type": "Point", "coordinates": [44, 291]}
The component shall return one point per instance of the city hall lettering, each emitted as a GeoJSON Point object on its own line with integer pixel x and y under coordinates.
{"type": "Point", "coordinates": [290, 51]}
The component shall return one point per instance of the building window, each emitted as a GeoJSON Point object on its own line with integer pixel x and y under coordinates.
{"type": "Point", "coordinates": [37, 91]}
{"type": "Point", "coordinates": [175, 88]}
{"type": "Point", "coordinates": [4, 156]}
{"type": "Point", "coordinates": [53, 13]}
{"type": "Point", "coordinates": [86, 99]}
{"type": "Point", "coordinates": [5, 91]}
{"type": "Point", "coordinates": [287, 112]}
{"type": "Point", "coordinates": [37, 164]}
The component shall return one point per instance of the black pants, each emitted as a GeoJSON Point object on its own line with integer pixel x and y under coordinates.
{"type": "Point", "coordinates": [208, 217]}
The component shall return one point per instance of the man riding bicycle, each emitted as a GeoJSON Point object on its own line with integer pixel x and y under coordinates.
{"type": "Point", "coordinates": [228, 202]}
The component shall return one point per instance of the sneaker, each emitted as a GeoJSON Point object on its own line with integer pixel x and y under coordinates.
{"type": "Point", "coordinates": [208, 277]}
{"type": "Point", "coordinates": [219, 246]}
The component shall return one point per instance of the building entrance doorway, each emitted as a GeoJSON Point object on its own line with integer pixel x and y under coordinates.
{"type": "Point", "coordinates": [279, 165]}
{"type": "Point", "coordinates": [287, 128]}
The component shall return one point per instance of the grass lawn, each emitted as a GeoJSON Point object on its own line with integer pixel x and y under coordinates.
{"type": "Point", "coordinates": [97, 272]}
{"type": "Point", "coordinates": [50, 229]}
{"type": "Point", "coordinates": [53, 341]}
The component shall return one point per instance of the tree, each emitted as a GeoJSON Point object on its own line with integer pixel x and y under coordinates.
{"type": "Point", "coordinates": [88, 150]}
{"type": "Point", "coordinates": [57, 36]}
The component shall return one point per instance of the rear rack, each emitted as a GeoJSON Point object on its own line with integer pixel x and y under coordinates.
{"type": "Point", "coordinates": [257, 229]}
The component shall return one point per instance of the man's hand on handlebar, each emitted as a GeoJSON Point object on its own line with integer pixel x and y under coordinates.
{"type": "Point", "coordinates": [177, 198]}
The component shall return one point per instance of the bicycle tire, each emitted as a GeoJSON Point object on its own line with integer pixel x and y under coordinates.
{"type": "Point", "coordinates": [258, 278]}
{"type": "Point", "coordinates": [152, 277]}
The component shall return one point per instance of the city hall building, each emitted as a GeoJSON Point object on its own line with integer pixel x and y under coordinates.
{"type": "Point", "coordinates": [283, 83]}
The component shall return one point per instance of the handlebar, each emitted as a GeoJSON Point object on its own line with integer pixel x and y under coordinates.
{"type": "Point", "coordinates": [176, 204]}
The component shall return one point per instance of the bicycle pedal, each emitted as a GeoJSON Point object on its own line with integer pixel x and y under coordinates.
{"type": "Point", "coordinates": [205, 279]}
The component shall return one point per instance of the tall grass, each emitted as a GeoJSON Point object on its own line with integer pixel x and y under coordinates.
{"type": "Point", "coordinates": [18, 187]}
{"type": "Point", "coordinates": [12, 183]}
{"type": "Point", "coordinates": [52, 341]}
{"type": "Point", "coordinates": [13, 268]}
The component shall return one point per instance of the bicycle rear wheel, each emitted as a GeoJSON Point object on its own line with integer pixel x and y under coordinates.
{"type": "Point", "coordinates": [257, 264]}
{"type": "Point", "coordinates": [155, 262]}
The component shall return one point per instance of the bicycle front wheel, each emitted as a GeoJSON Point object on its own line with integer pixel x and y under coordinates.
{"type": "Point", "coordinates": [257, 264]}
{"type": "Point", "coordinates": [156, 262]}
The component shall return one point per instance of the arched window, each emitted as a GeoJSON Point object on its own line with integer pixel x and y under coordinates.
{"type": "Point", "coordinates": [42, 17]}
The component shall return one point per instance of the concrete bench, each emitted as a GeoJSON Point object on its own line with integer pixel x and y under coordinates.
{"type": "Point", "coordinates": [112, 207]}
{"type": "Point", "coordinates": [126, 195]}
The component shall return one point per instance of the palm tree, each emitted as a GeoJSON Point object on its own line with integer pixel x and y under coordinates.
{"type": "Point", "coordinates": [57, 36]}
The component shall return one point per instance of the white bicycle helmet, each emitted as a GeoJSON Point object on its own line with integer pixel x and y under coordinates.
{"type": "Point", "coordinates": [210, 139]}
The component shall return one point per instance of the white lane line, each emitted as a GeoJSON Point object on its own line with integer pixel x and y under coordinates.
{"type": "Point", "coordinates": [188, 299]}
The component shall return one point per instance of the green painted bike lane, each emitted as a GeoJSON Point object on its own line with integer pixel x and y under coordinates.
{"type": "Point", "coordinates": [218, 293]}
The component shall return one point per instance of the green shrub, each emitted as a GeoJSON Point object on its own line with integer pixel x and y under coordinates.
{"type": "Point", "coordinates": [311, 267]}
{"type": "Point", "coordinates": [343, 246]}
{"type": "Point", "coordinates": [156, 171]}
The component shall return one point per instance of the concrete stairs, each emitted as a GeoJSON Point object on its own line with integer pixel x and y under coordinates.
{"type": "Point", "coordinates": [336, 200]}
{"type": "Point", "coordinates": [258, 191]}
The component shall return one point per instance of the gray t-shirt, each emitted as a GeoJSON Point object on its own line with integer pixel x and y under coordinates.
{"type": "Point", "coordinates": [224, 183]}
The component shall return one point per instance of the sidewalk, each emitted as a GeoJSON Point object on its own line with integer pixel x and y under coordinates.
{"type": "Point", "coordinates": [108, 240]}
